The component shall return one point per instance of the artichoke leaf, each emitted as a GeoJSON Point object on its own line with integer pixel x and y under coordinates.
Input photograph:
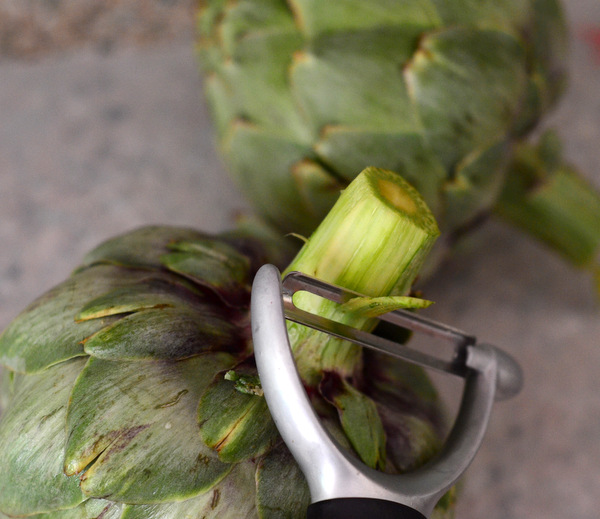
{"type": "Point", "coordinates": [261, 161]}
{"type": "Point", "coordinates": [46, 333]}
{"type": "Point", "coordinates": [476, 184]}
{"type": "Point", "coordinates": [347, 149]}
{"type": "Point", "coordinates": [140, 248]}
{"type": "Point", "coordinates": [317, 18]}
{"type": "Point", "coordinates": [214, 265]}
{"type": "Point", "coordinates": [373, 98]}
{"type": "Point", "coordinates": [165, 333]}
{"type": "Point", "coordinates": [135, 425]}
{"type": "Point", "coordinates": [220, 99]}
{"type": "Point", "coordinates": [231, 498]}
{"type": "Point", "coordinates": [234, 422]}
{"type": "Point", "coordinates": [7, 379]}
{"type": "Point", "coordinates": [89, 509]}
{"type": "Point", "coordinates": [281, 489]}
{"type": "Point", "coordinates": [482, 90]}
{"type": "Point", "coordinates": [243, 20]}
{"type": "Point", "coordinates": [508, 16]}
{"type": "Point", "coordinates": [359, 418]}
{"type": "Point", "coordinates": [317, 187]}
{"type": "Point", "coordinates": [158, 290]}
{"type": "Point", "coordinates": [256, 45]}
{"type": "Point", "coordinates": [410, 410]}
{"type": "Point", "coordinates": [32, 437]}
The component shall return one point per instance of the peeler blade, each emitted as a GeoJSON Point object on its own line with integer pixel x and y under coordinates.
{"type": "Point", "coordinates": [510, 377]}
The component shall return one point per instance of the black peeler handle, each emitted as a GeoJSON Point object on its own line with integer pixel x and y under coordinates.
{"type": "Point", "coordinates": [361, 508]}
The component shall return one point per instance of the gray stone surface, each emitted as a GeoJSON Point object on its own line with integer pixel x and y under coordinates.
{"type": "Point", "coordinates": [34, 28]}
{"type": "Point", "coordinates": [92, 145]}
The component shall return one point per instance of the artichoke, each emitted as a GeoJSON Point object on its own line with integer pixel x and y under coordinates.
{"type": "Point", "coordinates": [131, 391]}
{"type": "Point", "coordinates": [304, 93]}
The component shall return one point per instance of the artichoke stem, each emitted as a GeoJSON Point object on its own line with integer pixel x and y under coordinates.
{"type": "Point", "coordinates": [551, 201]}
{"type": "Point", "coordinates": [373, 241]}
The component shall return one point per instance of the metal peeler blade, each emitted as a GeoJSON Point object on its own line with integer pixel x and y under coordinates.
{"type": "Point", "coordinates": [340, 485]}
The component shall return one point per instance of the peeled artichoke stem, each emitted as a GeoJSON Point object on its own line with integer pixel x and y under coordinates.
{"type": "Point", "coordinates": [374, 241]}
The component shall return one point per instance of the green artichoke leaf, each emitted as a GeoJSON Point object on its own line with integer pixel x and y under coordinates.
{"type": "Point", "coordinates": [7, 388]}
{"type": "Point", "coordinates": [166, 333]}
{"type": "Point", "coordinates": [221, 100]}
{"type": "Point", "coordinates": [262, 162]}
{"type": "Point", "coordinates": [317, 187]}
{"type": "Point", "coordinates": [281, 489]}
{"type": "Point", "coordinates": [348, 149]}
{"type": "Point", "coordinates": [482, 89]}
{"type": "Point", "coordinates": [32, 437]}
{"type": "Point", "coordinates": [46, 333]}
{"type": "Point", "coordinates": [476, 184]}
{"type": "Point", "coordinates": [132, 428]}
{"type": "Point", "coordinates": [208, 14]}
{"type": "Point", "coordinates": [376, 42]}
{"type": "Point", "coordinates": [269, 104]}
{"type": "Point", "coordinates": [244, 20]}
{"type": "Point", "coordinates": [214, 265]}
{"type": "Point", "coordinates": [258, 43]}
{"type": "Point", "coordinates": [231, 498]}
{"type": "Point", "coordinates": [356, 90]}
{"type": "Point", "coordinates": [317, 17]}
{"type": "Point", "coordinates": [510, 16]}
{"type": "Point", "coordinates": [359, 418]}
{"type": "Point", "coordinates": [550, 46]}
{"type": "Point", "coordinates": [141, 247]}
{"type": "Point", "coordinates": [235, 423]}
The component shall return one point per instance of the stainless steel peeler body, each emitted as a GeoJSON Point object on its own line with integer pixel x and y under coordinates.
{"type": "Point", "coordinates": [341, 485]}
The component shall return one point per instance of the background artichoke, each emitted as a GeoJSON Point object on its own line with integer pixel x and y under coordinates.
{"type": "Point", "coordinates": [305, 93]}
{"type": "Point", "coordinates": [131, 392]}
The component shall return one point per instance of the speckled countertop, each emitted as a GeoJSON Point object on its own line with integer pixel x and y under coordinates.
{"type": "Point", "coordinates": [94, 144]}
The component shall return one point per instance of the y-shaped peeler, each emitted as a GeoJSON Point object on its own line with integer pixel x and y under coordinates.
{"type": "Point", "coordinates": [340, 485]}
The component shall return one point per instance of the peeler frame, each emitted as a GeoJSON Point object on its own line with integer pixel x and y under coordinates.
{"type": "Point", "coordinates": [331, 472]}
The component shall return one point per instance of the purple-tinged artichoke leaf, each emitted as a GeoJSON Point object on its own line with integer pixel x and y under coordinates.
{"type": "Point", "coordinates": [158, 290]}
{"type": "Point", "coordinates": [141, 248]}
{"type": "Point", "coordinates": [46, 333]}
{"type": "Point", "coordinates": [281, 489]}
{"type": "Point", "coordinates": [89, 509]}
{"type": "Point", "coordinates": [132, 429]}
{"type": "Point", "coordinates": [231, 498]}
{"type": "Point", "coordinates": [166, 333]}
{"type": "Point", "coordinates": [409, 408]}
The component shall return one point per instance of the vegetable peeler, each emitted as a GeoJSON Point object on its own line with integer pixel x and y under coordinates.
{"type": "Point", "coordinates": [341, 486]}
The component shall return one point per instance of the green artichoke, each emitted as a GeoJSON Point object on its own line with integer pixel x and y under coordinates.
{"type": "Point", "coordinates": [130, 390]}
{"type": "Point", "coordinates": [305, 93]}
